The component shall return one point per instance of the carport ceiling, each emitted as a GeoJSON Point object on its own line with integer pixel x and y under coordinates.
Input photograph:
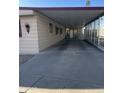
{"type": "Point", "coordinates": [71, 16]}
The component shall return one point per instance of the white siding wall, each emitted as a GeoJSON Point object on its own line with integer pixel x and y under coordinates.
{"type": "Point", "coordinates": [28, 43]}
{"type": "Point", "coordinates": [26, 12]}
{"type": "Point", "coordinates": [45, 38]}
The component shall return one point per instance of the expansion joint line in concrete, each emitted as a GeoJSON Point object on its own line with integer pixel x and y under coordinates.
{"type": "Point", "coordinates": [35, 83]}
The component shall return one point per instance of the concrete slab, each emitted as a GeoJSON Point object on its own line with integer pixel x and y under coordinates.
{"type": "Point", "coordinates": [58, 83]}
{"type": "Point", "coordinates": [68, 65]}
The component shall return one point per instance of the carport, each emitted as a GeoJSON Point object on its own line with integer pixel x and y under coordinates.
{"type": "Point", "coordinates": [68, 64]}
{"type": "Point", "coordinates": [71, 20]}
{"type": "Point", "coordinates": [70, 17]}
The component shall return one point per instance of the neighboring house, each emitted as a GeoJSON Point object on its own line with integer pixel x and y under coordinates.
{"type": "Point", "coordinates": [40, 28]}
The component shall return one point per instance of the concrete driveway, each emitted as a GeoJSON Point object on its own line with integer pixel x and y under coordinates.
{"type": "Point", "coordinates": [68, 65]}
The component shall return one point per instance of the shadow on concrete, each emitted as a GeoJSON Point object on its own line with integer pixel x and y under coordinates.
{"type": "Point", "coordinates": [24, 58]}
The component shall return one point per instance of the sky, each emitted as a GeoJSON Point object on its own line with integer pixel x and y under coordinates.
{"type": "Point", "coordinates": [58, 3]}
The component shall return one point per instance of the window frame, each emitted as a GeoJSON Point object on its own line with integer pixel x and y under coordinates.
{"type": "Point", "coordinates": [20, 29]}
{"type": "Point", "coordinates": [50, 27]}
{"type": "Point", "coordinates": [57, 30]}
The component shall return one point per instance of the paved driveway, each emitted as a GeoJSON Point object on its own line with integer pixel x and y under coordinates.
{"type": "Point", "coordinates": [71, 64]}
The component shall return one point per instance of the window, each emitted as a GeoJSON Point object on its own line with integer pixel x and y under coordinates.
{"type": "Point", "coordinates": [57, 29]}
{"type": "Point", "coordinates": [20, 30]}
{"type": "Point", "coordinates": [96, 32]}
{"type": "Point", "coordinates": [89, 33]}
{"type": "Point", "coordinates": [101, 32]}
{"type": "Point", "coordinates": [92, 33]}
{"type": "Point", "coordinates": [61, 31]}
{"type": "Point", "coordinates": [51, 27]}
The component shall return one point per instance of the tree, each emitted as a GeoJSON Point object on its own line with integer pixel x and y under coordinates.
{"type": "Point", "coordinates": [87, 2]}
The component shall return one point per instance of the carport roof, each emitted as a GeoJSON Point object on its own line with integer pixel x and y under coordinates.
{"type": "Point", "coordinates": [69, 16]}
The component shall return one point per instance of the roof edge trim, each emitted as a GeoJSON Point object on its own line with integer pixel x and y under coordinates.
{"type": "Point", "coordinates": [62, 8]}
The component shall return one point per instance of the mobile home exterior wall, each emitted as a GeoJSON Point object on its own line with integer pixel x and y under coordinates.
{"type": "Point", "coordinates": [39, 37]}
{"type": "Point", "coordinates": [45, 38]}
{"type": "Point", "coordinates": [28, 43]}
